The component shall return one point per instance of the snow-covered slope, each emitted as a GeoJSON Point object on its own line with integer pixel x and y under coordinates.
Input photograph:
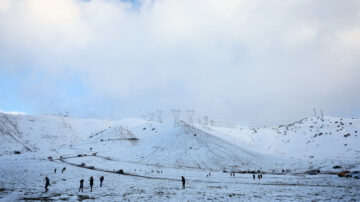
{"type": "Point", "coordinates": [314, 140]}
{"type": "Point", "coordinates": [185, 146]}
{"type": "Point", "coordinates": [45, 133]}
{"type": "Point", "coordinates": [108, 141]}
{"type": "Point", "coordinates": [309, 138]}
{"type": "Point", "coordinates": [113, 133]}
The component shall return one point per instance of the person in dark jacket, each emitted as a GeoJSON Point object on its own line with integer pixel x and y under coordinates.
{"type": "Point", "coordinates": [183, 181]}
{"type": "Point", "coordinates": [63, 170]}
{"type": "Point", "coordinates": [81, 185]}
{"type": "Point", "coordinates": [254, 176]}
{"type": "Point", "coordinates": [91, 183]}
{"type": "Point", "coordinates": [47, 183]}
{"type": "Point", "coordinates": [101, 180]}
{"type": "Point", "coordinates": [55, 170]}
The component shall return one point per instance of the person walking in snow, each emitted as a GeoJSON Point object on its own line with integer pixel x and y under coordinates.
{"type": "Point", "coordinates": [254, 176]}
{"type": "Point", "coordinates": [183, 181]}
{"type": "Point", "coordinates": [55, 170]}
{"type": "Point", "coordinates": [47, 183]}
{"type": "Point", "coordinates": [258, 176]}
{"type": "Point", "coordinates": [101, 180]}
{"type": "Point", "coordinates": [81, 185]}
{"type": "Point", "coordinates": [91, 183]}
{"type": "Point", "coordinates": [63, 170]}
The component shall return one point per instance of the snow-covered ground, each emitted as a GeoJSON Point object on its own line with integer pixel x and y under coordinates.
{"type": "Point", "coordinates": [154, 156]}
{"type": "Point", "coordinates": [23, 179]}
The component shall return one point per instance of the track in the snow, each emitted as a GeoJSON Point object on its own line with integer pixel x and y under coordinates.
{"type": "Point", "coordinates": [114, 172]}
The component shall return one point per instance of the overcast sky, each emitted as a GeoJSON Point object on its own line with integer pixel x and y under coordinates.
{"type": "Point", "coordinates": [239, 61]}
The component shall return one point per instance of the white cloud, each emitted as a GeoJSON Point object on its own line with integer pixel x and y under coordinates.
{"type": "Point", "coordinates": [242, 60]}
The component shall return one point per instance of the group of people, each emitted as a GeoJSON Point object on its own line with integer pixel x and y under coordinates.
{"type": "Point", "coordinates": [47, 180]}
{"type": "Point", "coordinates": [91, 182]}
{"type": "Point", "coordinates": [259, 176]}
{"type": "Point", "coordinates": [81, 188]}
{"type": "Point", "coordinates": [62, 170]}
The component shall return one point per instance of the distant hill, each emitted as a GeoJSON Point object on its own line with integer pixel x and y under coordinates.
{"type": "Point", "coordinates": [318, 140]}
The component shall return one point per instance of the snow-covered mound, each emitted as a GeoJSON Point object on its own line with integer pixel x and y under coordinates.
{"type": "Point", "coordinates": [107, 142]}
{"type": "Point", "coordinates": [114, 133]}
{"type": "Point", "coordinates": [185, 146]}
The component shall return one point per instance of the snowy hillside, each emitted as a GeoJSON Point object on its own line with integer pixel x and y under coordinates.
{"type": "Point", "coordinates": [153, 156]}
{"type": "Point", "coordinates": [317, 140]}
{"type": "Point", "coordinates": [185, 146]}
{"type": "Point", "coordinates": [163, 144]}
{"type": "Point", "coordinates": [314, 138]}
{"type": "Point", "coordinates": [45, 133]}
